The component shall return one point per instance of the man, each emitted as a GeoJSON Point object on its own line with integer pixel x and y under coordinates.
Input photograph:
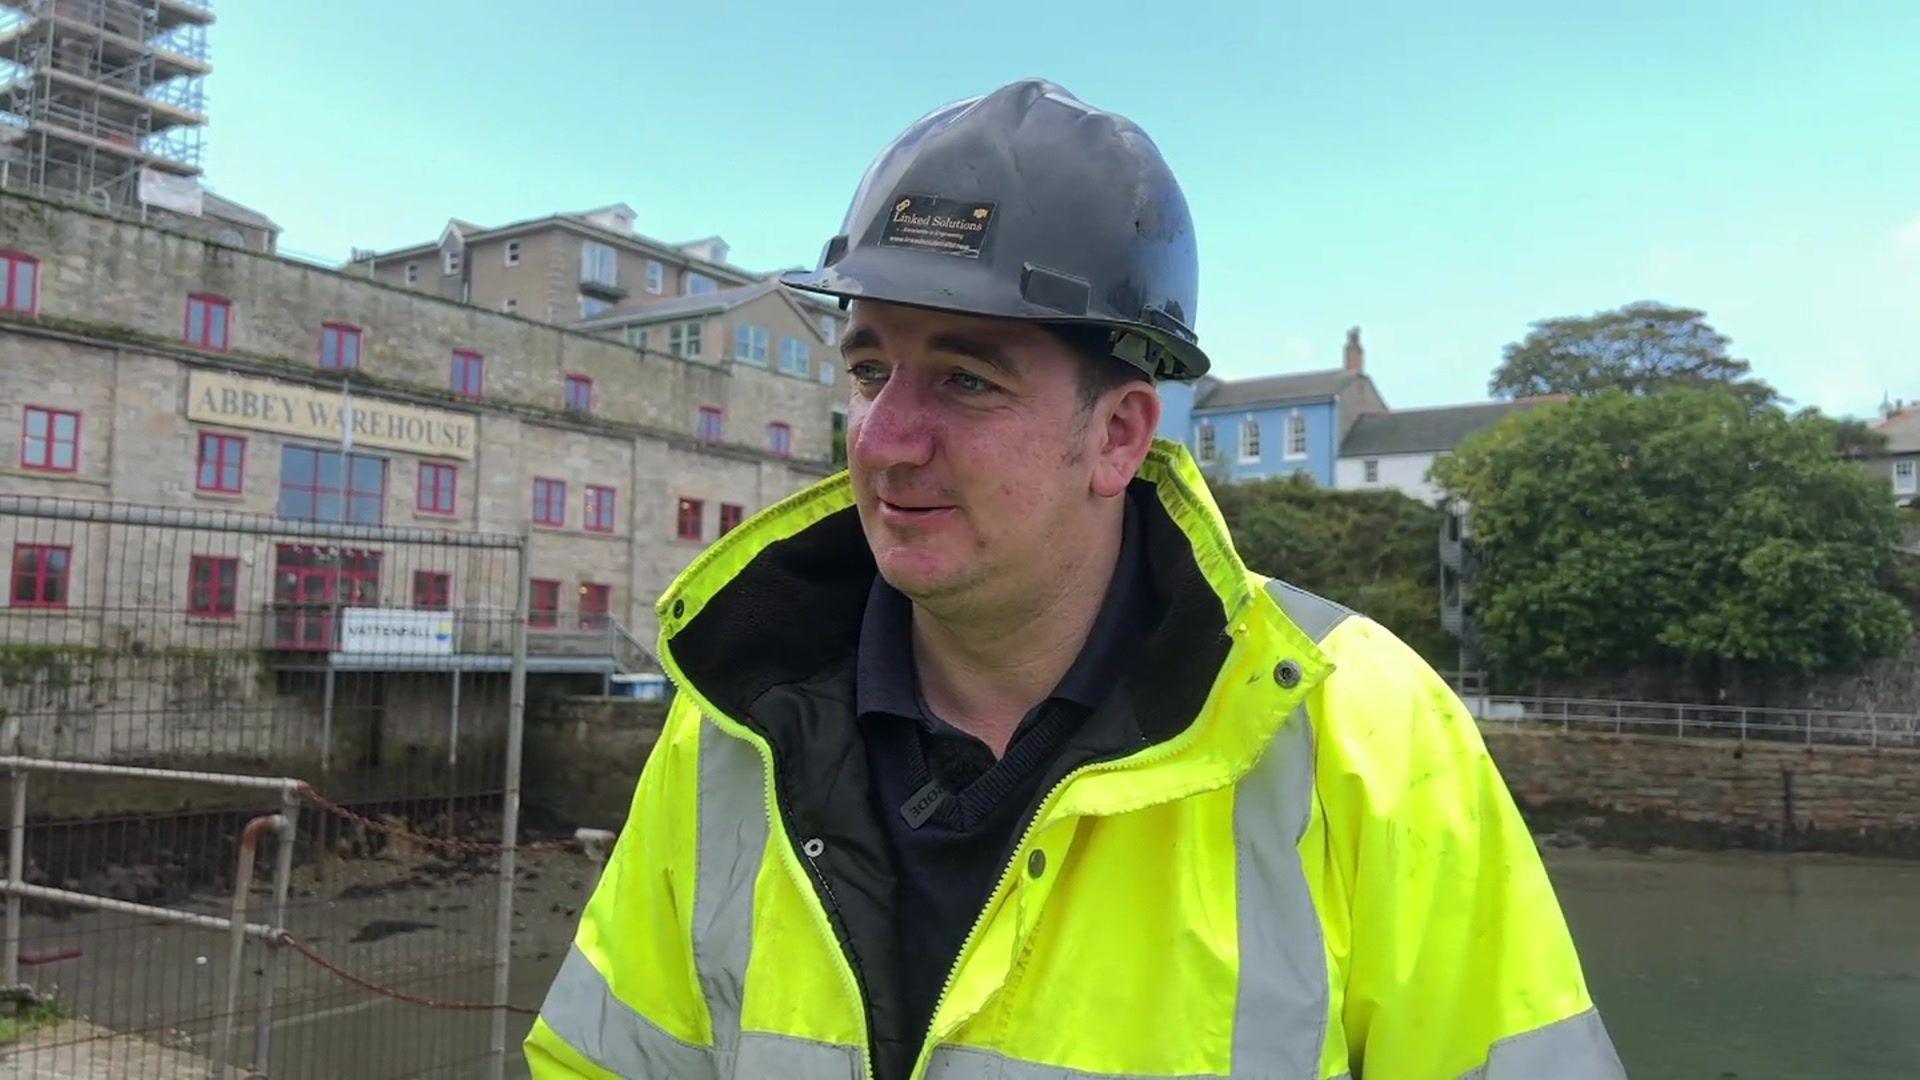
{"type": "Point", "coordinates": [991, 759]}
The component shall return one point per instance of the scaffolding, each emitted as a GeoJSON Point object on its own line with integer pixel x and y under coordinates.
{"type": "Point", "coordinates": [94, 92]}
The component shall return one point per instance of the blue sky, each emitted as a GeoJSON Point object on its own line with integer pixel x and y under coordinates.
{"type": "Point", "coordinates": [1440, 179]}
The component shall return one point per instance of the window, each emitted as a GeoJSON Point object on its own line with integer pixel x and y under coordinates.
{"type": "Point", "coordinates": [19, 282]}
{"type": "Point", "coordinates": [413, 273]}
{"type": "Point", "coordinates": [49, 439]}
{"type": "Point", "coordinates": [1904, 477]}
{"type": "Point", "coordinates": [683, 340]}
{"type": "Point", "coordinates": [593, 307]}
{"type": "Point", "coordinates": [326, 485]}
{"type": "Point", "coordinates": [543, 604]}
{"type": "Point", "coordinates": [637, 336]}
{"type": "Point", "coordinates": [595, 600]}
{"type": "Point", "coordinates": [598, 263]}
{"type": "Point", "coordinates": [1296, 436]}
{"type": "Point", "coordinates": [509, 305]}
{"type": "Point", "coordinates": [310, 582]}
{"type": "Point", "coordinates": [656, 277]}
{"type": "Point", "coordinates": [1249, 439]}
{"type": "Point", "coordinates": [450, 261]}
{"type": "Point", "coordinates": [40, 575]}
{"type": "Point", "coordinates": [221, 463]}
{"type": "Point", "coordinates": [691, 511]}
{"type": "Point", "coordinates": [1373, 470]}
{"type": "Point", "coordinates": [826, 373]}
{"type": "Point", "coordinates": [579, 391]}
{"type": "Point", "coordinates": [207, 321]}
{"type": "Point", "coordinates": [780, 438]}
{"type": "Point", "coordinates": [1204, 444]}
{"type": "Point", "coordinates": [469, 373]}
{"type": "Point", "coordinates": [697, 284]}
{"type": "Point", "coordinates": [731, 515]}
{"type": "Point", "coordinates": [839, 436]}
{"type": "Point", "coordinates": [599, 508]}
{"type": "Point", "coordinates": [710, 423]}
{"type": "Point", "coordinates": [513, 253]}
{"type": "Point", "coordinates": [750, 344]}
{"type": "Point", "coordinates": [829, 328]}
{"type": "Point", "coordinates": [211, 583]}
{"type": "Point", "coordinates": [434, 494]}
{"type": "Point", "coordinates": [432, 590]}
{"type": "Point", "coordinates": [339, 346]}
{"type": "Point", "coordinates": [795, 357]}
{"type": "Point", "coordinates": [549, 501]}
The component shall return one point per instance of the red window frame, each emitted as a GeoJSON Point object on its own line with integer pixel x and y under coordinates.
{"type": "Point", "coordinates": [596, 602]}
{"type": "Point", "coordinates": [11, 265]}
{"type": "Point", "coordinates": [731, 515]}
{"type": "Point", "coordinates": [51, 442]}
{"type": "Point", "coordinates": [780, 438]}
{"type": "Point", "coordinates": [434, 490]}
{"type": "Point", "coordinates": [691, 511]}
{"type": "Point", "coordinates": [311, 583]}
{"type": "Point", "coordinates": [543, 603]}
{"type": "Point", "coordinates": [549, 502]}
{"type": "Point", "coordinates": [432, 590]}
{"type": "Point", "coordinates": [229, 455]}
{"type": "Point", "coordinates": [213, 586]}
{"type": "Point", "coordinates": [40, 577]}
{"type": "Point", "coordinates": [599, 508]}
{"type": "Point", "coordinates": [468, 375]}
{"type": "Point", "coordinates": [349, 492]}
{"type": "Point", "coordinates": [712, 423]}
{"type": "Point", "coordinates": [340, 346]}
{"type": "Point", "coordinates": [579, 393]}
{"type": "Point", "coordinates": [209, 338]}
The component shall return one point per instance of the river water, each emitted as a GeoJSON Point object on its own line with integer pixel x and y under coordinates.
{"type": "Point", "coordinates": [1750, 966]}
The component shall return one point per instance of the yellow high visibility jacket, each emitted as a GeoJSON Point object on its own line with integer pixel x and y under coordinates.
{"type": "Point", "coordinates": [1302, 865]}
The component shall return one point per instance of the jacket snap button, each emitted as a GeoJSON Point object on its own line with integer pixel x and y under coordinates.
{"type": "Point", "coordinates": [1287, 674]}
{"type": "Point", "coordinates": [1036, 863]}
{"type": "Point", "coordinates": [813, 848]}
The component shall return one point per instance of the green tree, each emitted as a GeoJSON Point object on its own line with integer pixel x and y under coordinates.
{"type": "Point", "coordinates": [1640, 349]}
{"type": "Point", "coordinates": [1374, 551]}
{"type": "Point", "coordinates": [1686, 528]}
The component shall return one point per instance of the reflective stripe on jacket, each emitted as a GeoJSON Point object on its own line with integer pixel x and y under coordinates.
{"type": "Point", "coordinates": [1315, 873]}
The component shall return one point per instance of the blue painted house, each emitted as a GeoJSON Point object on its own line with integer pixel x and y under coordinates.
{"type": "Point", "coordinates": [1274, 425]}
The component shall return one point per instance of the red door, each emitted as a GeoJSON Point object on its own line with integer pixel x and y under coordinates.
{"type": "Point", "coordinates": [309, 581]}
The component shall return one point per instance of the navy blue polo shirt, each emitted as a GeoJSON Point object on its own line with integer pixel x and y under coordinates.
{"type": "Point", "coordinates": [951, 812]}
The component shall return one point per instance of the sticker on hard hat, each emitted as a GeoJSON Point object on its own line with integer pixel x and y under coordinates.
{"type": "Point", "coordinates": [942, 226]}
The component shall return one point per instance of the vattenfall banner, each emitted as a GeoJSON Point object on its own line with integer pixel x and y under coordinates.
{"type": "Point", "coordinates": [218, 398]}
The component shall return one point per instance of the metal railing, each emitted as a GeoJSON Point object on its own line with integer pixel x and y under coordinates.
{"type": "Point", "coordinates": [1808, 727]}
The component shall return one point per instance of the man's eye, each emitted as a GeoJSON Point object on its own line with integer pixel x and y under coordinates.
{"type": "Point", "coordinates": [865, 372]}
{"type": "Point", "coordinates": [971, 383]}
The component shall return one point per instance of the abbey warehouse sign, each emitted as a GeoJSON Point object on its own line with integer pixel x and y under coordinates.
{"type": "Point", "coordinates": [219, 398]}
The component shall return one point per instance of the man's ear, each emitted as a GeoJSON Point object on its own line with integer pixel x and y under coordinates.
{"type": "Point", "coordinates": [1126, 418]}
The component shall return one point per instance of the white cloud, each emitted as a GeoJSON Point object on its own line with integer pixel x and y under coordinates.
{"type": "Point", "coordinates": [1908, 236]}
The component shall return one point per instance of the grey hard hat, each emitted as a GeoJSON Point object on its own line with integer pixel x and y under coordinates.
{"type": "Point", "coordinates": [1027, 204]}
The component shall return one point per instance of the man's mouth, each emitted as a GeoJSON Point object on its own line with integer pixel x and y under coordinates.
{"type": "Point", "coordinates": [910, 513]}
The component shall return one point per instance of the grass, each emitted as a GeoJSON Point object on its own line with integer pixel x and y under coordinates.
{"type": "Point", "coordinates": [13, 1028]}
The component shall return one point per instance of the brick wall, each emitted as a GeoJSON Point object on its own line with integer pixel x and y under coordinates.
{"type": "Point", "coordinates": [1843, 797]}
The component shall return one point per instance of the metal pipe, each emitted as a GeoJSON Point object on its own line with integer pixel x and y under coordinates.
{"type": "Point", "coordinates": [276, 958]}
{"type": "Point", "coordinates": [326, 722]}
{"type": "Point", "coordinates": [95, 768]}
{"type": "Point", "coordinates": [510, 818]}
{"type": "Point", "coordinates": [16, 873]}
{"type": "Point", "coordinates": [43, 506]}
{"type": "Point", "coordinates": [128, 907]}
{"type": "Point", "coordinates": [237, 937]}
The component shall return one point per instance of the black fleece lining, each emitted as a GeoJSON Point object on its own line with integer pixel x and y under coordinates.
{"type": "Point", "coordinates": [775, 650]}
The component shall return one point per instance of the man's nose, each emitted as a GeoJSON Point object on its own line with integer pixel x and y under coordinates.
{"type": "Point", "coordinates": [897, 428]}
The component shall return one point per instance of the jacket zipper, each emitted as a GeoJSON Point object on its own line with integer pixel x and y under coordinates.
{"type": "Point", "coordinates": [1144, 757]}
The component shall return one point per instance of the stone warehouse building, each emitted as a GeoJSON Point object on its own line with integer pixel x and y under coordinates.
{"type": "Point", "coordinates": [140, 365]}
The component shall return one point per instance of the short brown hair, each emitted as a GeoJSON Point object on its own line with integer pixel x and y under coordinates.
{"type": "Point", "coordinates": [1099, 370]}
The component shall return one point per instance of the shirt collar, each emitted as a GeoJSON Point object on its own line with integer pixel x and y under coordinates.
{"type": "Point", "coordinates": [885, 680]}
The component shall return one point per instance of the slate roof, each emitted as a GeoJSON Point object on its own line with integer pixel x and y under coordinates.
{"type": "Point", "coordinates": [1274, 389]}
{"type": "Point", "coordinates": [681, 307]}
{"type": "Point", "coordinates": [1413, 431]}
{"type": "Point", "coordinates": [227, 210]}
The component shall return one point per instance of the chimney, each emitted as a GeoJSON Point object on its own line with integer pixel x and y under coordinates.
{"type": "Point", "coordinates": [1356, 357]}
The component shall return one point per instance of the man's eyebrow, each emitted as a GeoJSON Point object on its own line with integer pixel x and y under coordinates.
{"type": "Point", "coordinates": [860, 338]}
{"type": "Point", "coordinates": [973, 348]}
